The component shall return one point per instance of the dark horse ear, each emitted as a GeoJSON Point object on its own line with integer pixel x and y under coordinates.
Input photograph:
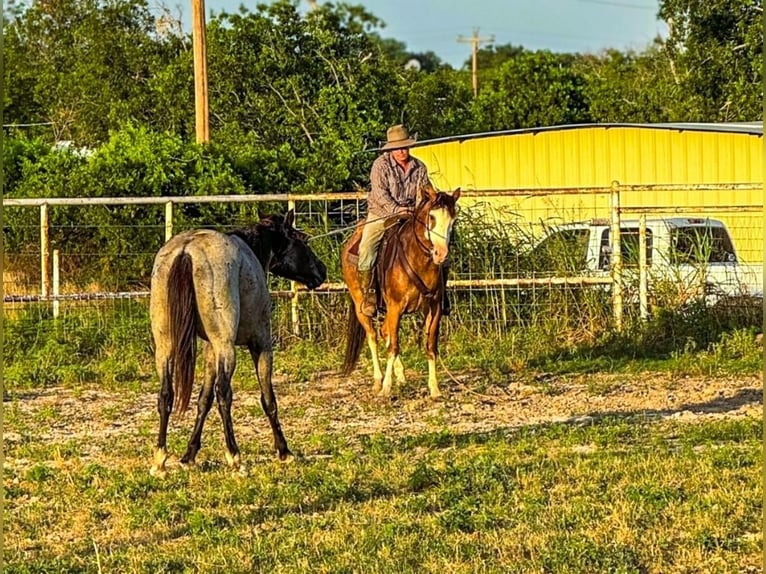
{"type": "Point", "coordinates": [431, 191]}
{"type": "Point", "coordinates": [290, 218]}
{"type": "Point", "coordinates": [456, 194]}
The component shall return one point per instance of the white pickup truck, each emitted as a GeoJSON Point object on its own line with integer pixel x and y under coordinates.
{"type": "Point", "coordinates": [688, 251]}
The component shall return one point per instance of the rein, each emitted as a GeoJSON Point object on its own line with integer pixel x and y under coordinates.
{"type": "Point", "coordinates": [401, 256]}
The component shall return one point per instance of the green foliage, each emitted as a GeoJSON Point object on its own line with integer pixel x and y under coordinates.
{"type": "Point", "coordinates": [531, 89]}
{"type": "Point", "coordinates": [715, 49]}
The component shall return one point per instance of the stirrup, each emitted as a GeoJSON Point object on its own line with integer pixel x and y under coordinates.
{"type": "Point", "coordinates": [368, 305]}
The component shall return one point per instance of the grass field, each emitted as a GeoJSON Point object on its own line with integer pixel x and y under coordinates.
{"type": "Point", "coordinates": [596, 473]}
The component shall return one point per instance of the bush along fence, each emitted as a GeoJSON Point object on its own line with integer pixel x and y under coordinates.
{"type": "Point", "coordinates": [517, 253]}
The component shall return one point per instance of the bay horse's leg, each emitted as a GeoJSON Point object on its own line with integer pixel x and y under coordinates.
{"type": "Point", "coordinates": [391, 329]}
{"type": "Point", "coordinates": [433, 317]}
{"type": "Point", "coordinates": [226, 362]}
{"type": "Point", "coordinates": [204, 402]}
{"type": "Point", "coordinates": [399, 370]}
{"type": "Point", "coordinates": [164, 407]}
{"type": "Point", "coordinates": [372, 344]}
{"type": "Point", "coordinates": [263, 361]}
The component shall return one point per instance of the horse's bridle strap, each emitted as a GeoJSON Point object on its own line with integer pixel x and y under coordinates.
{"type": "Point", "coordinates": [411, 273]}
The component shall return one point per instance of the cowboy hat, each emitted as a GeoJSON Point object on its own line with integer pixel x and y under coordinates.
{"type": "Point", "coordinates": [397, 137]}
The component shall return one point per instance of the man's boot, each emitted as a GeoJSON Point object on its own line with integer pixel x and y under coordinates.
{"type": "Point", "coordinates": [369, 303]}
{"type": "Point", "coordinates": [446, 306]}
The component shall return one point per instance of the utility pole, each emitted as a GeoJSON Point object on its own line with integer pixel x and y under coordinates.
{"type": "Point", "coordinates": [475, 41]}
{"type": "Point", "coordinates": [200, 71]}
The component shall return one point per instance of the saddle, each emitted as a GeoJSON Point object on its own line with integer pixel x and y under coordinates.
{"type": "Point", "coordinates": [388, 251]}
{"type": "Point", "coordinates": [383, 258]}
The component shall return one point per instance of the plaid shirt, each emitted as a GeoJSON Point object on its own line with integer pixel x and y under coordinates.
{"type": "Point", "coordinates": [393, 190]}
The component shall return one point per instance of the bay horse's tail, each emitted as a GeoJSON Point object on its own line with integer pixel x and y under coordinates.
{"type": "Point", "coordinates": [182, 310]}
{"type": "Point", "coordinates": [355, 336]}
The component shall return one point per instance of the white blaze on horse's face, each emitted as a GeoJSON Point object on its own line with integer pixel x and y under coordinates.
{"type": "Point", "coordinates": [439, 230]}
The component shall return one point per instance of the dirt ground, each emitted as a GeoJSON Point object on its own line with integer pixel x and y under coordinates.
{"type": "Point", "coordinates": [346, 406]}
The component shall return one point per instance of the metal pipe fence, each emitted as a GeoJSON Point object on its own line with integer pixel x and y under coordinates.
{"type": "Point", "coordinates": [490, 272]}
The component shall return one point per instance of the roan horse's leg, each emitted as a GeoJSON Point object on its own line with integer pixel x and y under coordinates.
{"type": "Point", "coordinates": [263, 360]}
{"type": "Point", "coordinates": [164, 406]}
{"type": "Point", "coordinates": [226, 362]}
{"type": "Point", "coordinates": [204, 402]}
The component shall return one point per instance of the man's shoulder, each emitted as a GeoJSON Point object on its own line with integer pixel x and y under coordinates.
{"type": "Point", "coordinates": [418, 162]}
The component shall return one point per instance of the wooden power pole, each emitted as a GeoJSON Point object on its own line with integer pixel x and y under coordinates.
{"type": "Point", "coordinates": [475, 41]}
{"type": "Point", "coordinates": [200, 71]}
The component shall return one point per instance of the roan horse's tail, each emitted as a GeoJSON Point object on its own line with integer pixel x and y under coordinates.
{"type": "Point", "coordinates": [355, 336]}
{"type": "Point", "coordinates": [182, 310]}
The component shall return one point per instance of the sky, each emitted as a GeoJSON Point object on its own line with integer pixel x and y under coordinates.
{"type": "Point", "coordinates": [556, 25]}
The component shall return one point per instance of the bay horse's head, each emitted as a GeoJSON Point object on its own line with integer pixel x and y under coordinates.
{"type": "Point", "coordinates": [436, 213]}
{"type": "Point", "coordinates": [291, 257]}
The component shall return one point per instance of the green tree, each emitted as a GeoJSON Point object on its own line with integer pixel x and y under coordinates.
{"type": "Point", "coordinates": [532, 89]}
{"type": "Point", "coordinates": [317, 82]}
{"type": "Point", "coordinates": [714, 55]}
{"type": "Point", "coordinates": [83, 65]}
{"type": "Point", "coordinates": [629, 87]}
{"type": "Point", "coordinates": [439, 104]}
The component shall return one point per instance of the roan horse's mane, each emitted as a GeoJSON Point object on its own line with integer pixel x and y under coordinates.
{"type": "Point", "coordinates": [252, 235]}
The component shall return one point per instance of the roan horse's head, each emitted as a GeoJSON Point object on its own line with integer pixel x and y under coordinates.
{"type": "Point", "coordinates": [291, 257]}
{"type": "Point", "coordinates": [436, 212]}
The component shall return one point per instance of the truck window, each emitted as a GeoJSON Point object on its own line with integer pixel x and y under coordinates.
{"type": "Point", "coordinates": [695, 245]}
{"type": "Point", "coordinates": [628, 247]}
{"type": "Point", "coordinates": [562, 251]}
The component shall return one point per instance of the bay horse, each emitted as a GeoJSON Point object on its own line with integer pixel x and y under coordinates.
{"type": "Point", "coordinates": [409, 279]}
{"type": "Point", "coordinates": [212, 285]}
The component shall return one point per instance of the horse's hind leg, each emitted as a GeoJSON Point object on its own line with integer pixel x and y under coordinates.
{"type": "Point", "coordinates": [391, 327]}
{"type": "Point", "coordinates": [164, 407]}
{"type": "Point", "coordinates": [226, 361]}
{"type": "Point", "coordinates": [372, 344]}
{"type": "Point", "coordinates": [204, 402]}
{"type": "Point", "coordinates": [263, 360]}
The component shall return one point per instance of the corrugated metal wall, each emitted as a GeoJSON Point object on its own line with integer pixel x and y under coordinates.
{"type": "Point", "coordinates": [594, 156]}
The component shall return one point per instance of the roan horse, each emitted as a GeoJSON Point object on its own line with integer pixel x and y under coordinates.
{"type": "Point", "coordinates": [212, 285]}
{"type": "Point", "coordinates": [409, 280]}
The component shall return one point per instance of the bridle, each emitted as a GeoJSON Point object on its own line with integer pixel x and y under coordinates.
{"type": "Point", "coordinates": [426, 247]}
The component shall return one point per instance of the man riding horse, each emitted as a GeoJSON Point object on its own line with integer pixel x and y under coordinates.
{"type": "Point", "coordinates": [395, 179]}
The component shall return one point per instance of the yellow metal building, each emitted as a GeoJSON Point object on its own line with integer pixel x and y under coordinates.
{"type": "Point", "coordinates": [595, 155]}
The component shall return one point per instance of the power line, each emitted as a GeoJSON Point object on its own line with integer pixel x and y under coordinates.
{"type": "Point", "coordinates": [620, 4]}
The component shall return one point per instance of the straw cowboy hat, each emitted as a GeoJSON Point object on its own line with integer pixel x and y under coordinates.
{"type": "Point", "coordinates": [397, 137]}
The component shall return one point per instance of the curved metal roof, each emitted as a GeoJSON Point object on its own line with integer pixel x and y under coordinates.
{"type": "Point", "coordinates": [751, 128]}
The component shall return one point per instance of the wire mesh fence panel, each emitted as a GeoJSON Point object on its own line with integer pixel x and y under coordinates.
{"type": "Point", "coordinates": [517, 258]}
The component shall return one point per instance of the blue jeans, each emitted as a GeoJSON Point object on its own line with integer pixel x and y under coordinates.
{"type": "Point", "coordinates": [372, 234]}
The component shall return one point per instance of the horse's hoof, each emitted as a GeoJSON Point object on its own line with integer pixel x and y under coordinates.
{"type": "Point", "coordinates": [377, 387]}
{"type": "Point", "coordinates": [157, 472]}
{"type": "Point", "coordinates": [232, 460]}
{"type": "Point", "coordinates": [286, 456]}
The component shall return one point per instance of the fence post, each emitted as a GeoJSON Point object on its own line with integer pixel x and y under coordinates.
{"type": "Point", "coordinates": [45, 256]}
{"type": "Point", "coordinates": [643, 270]}
{"type": "Point", "coordinates": [616, 257]}
{"type": "Point", "coordinates": [294, 305]}
{"type": "Point", "coordinates": [56, 284]}
{"type": "Point", "coordinates": [168, 220]}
